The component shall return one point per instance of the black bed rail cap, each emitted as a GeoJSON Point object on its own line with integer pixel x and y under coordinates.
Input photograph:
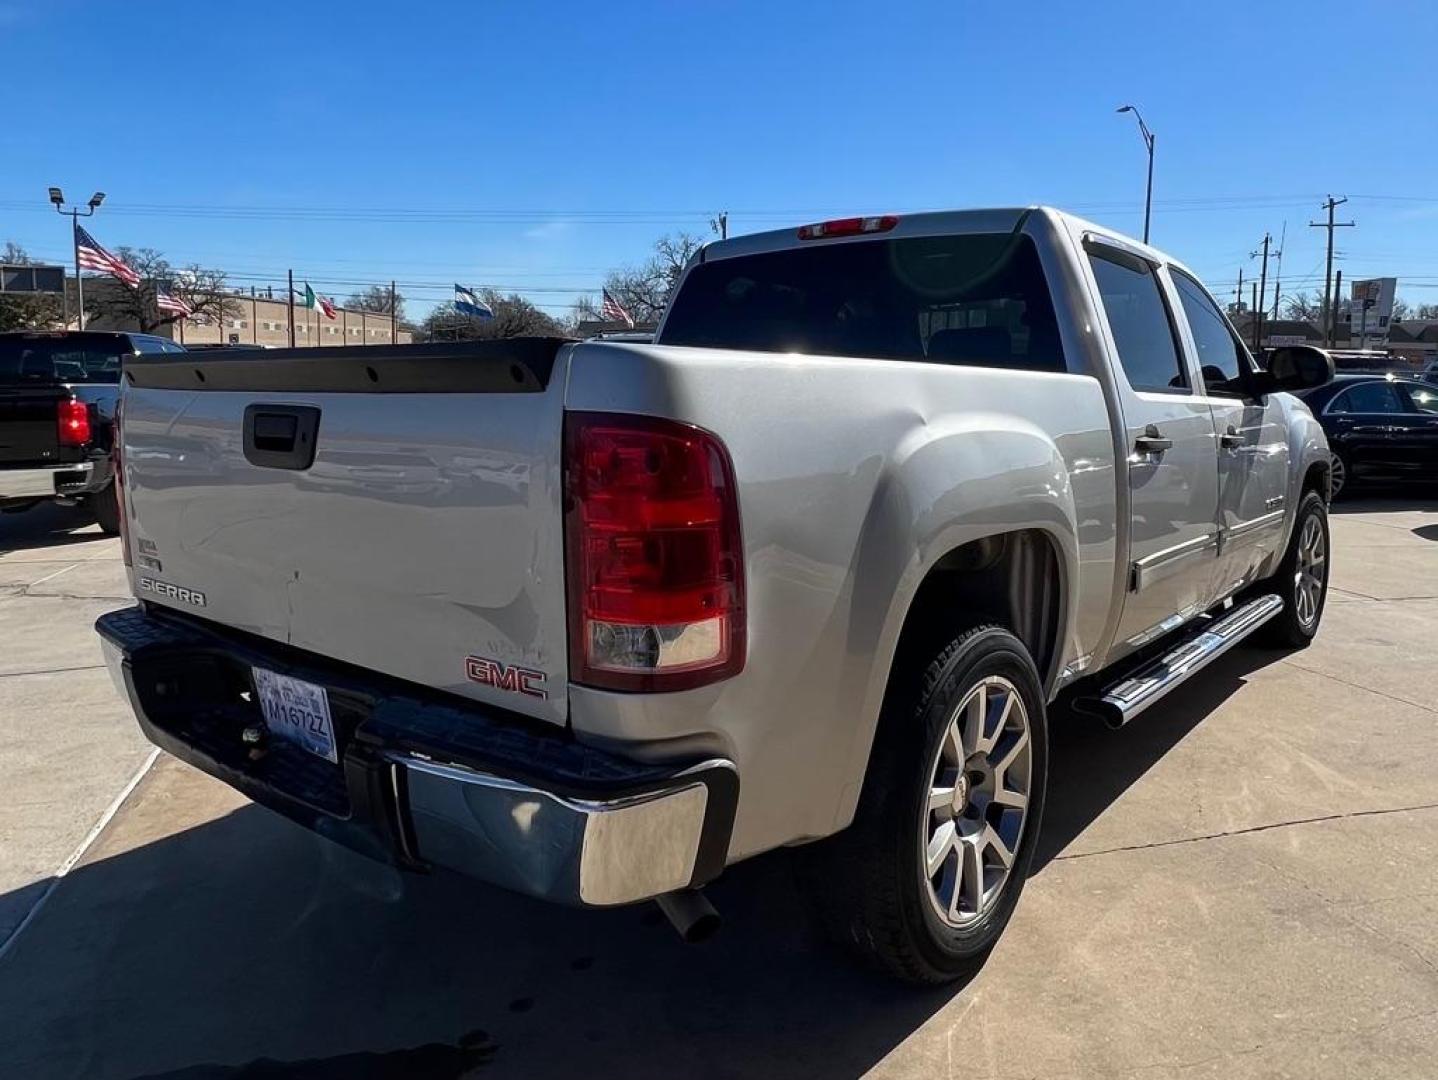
{"type": "Point", "coordinates": [521, 365]}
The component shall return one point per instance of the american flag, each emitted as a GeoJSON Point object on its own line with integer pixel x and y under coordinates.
{"type": "Point", "coordinates": [92, 256]}
{"type": "Point", "coordinates": [613, 309]}
{"type": "Point", "coordinates": [167, 301]}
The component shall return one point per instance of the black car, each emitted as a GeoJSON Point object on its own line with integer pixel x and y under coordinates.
{"type": "Point", "coordinates": [1381, 429]}
{"type": "Point", "coordinates": [57, 405]}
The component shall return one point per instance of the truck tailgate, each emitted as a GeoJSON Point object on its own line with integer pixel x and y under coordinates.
{"type": "Point", "coordinates": [424, 540]}
{"type": "Point", "coordinates": [28, 433]}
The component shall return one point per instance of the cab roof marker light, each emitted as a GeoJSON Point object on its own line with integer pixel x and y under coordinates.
{"type": "Point", "coordinates": [851, 226]}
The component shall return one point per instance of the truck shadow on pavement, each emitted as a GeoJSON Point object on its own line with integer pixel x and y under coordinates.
{"type": "Point", "coordinates": [47, 525]}
{"type": "Point", "coordinates": [247, 949]}
{"type": "Point", "coordinates": [1091, 766]}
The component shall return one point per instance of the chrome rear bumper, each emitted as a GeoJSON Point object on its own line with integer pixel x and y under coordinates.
{"type": "Point", "coordinates": [429, 783]}
{"type": "Point", "coordinates": [43, 483]}
{"type": "Point", "coordinates": [590, 851]}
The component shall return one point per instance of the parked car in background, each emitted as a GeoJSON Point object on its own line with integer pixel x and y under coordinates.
{"type": "Point", "coordinates": [1381, 429]}
{"type": "Point", "coordinates": [57, 404]}
{"type": "Point", "coordinates": [1430, 373]}
{"type": "Point", "coordinates": [594, 620]}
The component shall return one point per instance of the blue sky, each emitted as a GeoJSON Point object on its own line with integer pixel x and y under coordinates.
{"type": "Point", "coordinates": [531, 145]}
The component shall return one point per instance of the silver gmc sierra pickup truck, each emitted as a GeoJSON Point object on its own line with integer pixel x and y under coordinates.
{"type": "Point", "coordinates": [594, 620]}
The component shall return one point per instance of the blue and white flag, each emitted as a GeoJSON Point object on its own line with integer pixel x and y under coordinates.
{"type": "Point", "coordinates": [467, 303]}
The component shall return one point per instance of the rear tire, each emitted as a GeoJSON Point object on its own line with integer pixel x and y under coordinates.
{"type": "Point", "coordinates": [106, 510]}
{"type": "Point", "coordinates": [1301, 579]}
{"type": "Point", "coordinates": [924, 881]}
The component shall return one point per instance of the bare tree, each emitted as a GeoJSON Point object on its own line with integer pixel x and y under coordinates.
{"type": "Point", "coordinates": [1401, 310]}
{"type": "Point", "coordinates": [1306, 307]}
{"type": "Point", "coordinates": [645, 290]}
{"type": "Point", "coordinates": [514, 316]}
{"type": "Point", "coordinates": [376, 298]}
{"type": "Point", "coordinates": [583, 310]}
{"type": "Point", "coordinates": [1427, 311]}
{"type": "Point", "coordinates": [203, 290]}
{"type": "Point", "coordinates": [27, 311]}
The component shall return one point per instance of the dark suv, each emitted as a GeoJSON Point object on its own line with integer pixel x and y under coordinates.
{"type": "Point", "coordinates": [57, 406]}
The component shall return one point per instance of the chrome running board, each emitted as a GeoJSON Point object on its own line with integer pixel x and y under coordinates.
{"type": "Point", "coordinates": [1121, 702]}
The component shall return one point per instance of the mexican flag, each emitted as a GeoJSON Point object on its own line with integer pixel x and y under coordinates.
{"type": "Point", "coordinates": [313, 301]}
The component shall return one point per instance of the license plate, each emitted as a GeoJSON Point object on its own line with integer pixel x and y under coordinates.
{"type": "Point", "coordinates": [297, 711]}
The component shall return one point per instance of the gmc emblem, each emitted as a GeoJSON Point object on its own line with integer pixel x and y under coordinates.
{"type": "Point", "coordinates": [516, 680]}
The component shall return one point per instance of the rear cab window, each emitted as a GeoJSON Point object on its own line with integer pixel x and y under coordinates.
{"type": "Point", "coordinates": [69, 359]}
{"type": "Point", "coordinates": [979, 300]}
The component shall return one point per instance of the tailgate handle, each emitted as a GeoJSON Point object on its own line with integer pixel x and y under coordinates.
{"type": "Point", "coordinates": [281, 436]}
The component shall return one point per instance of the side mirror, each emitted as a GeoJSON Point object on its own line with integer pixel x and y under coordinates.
{"type": "Point", "coordinates": [1295, 367]}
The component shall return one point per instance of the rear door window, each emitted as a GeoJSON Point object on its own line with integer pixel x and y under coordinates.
{"type": "Point", "coordinates": [1374, 397]}
{"type": "Point", "coordinates": [1139, 319]}
{"type": "Point", "coordinates": [978, 300]}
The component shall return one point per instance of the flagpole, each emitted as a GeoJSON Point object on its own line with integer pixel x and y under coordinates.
{"type": "Point", "coordinates": [292, 309]}
{"type": "Point", "coordinates": [79, 281]}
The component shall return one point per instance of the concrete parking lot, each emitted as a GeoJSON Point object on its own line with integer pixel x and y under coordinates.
{"type": "Point", "coordinates": [1243, 883]}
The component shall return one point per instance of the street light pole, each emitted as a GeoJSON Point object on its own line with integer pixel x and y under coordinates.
{"type": "Point", "coordinates": [1148, 141]}
{"type": "Point", "coordinates": [57, 197]}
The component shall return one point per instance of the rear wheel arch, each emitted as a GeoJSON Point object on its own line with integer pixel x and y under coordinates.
{"type": "Point", "coordinates": [1017, 580]}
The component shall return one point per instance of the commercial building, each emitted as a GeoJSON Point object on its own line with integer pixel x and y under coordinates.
{"type": "Point", "coordinates": [254, 318]}
{"type": "Point", "coordinates": [265, 320]}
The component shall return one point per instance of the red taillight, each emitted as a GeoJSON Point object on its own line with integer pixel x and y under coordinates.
{"type": "Point", "coordinates": [654, 561]}
{"type": "Point", "coordinates": [73, 423]}
{"type": "Point", "coordinates": [849, 226]}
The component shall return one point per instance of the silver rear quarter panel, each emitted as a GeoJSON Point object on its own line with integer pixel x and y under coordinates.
{"type": "Point", "coordinates": [855, 476]}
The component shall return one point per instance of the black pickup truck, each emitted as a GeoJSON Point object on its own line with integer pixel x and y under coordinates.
{"type": "Point", "coordinates": [57, 406]}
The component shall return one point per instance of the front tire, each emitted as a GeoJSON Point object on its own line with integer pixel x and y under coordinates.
{"type": "Point", "coordinates": [1302, 577]}
{"type": "Point", "coordinates": [925, 880]}
{"type": "Point", "coordinates": [1337, 476]}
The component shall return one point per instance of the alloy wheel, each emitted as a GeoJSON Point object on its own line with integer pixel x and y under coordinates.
{"type": "Point", "coordinates": [1310, 572]}
{"type": "Point", "coordinates": [1337, 476]}
{"type": "Point", "coordinates": [978, 800]}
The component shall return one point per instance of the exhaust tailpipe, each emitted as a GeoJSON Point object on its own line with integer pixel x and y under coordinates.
{"type": "Point", "coordinates": [691, 914]}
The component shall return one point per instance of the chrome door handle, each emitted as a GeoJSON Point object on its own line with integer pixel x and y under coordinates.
{"type": "Point", "coordinates": [1230, 440]}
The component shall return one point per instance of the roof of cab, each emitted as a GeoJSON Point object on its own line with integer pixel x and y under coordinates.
{"type": "Point", "coordinates": [925, 223]}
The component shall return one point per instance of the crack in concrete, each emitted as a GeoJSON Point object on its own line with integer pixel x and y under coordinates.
{"type": "Point", "coordinates": [50, 671]}
{"type": "Point", "coordinates": [1344, 910]}
{"type": "Point", "coordinates": [1289, 661]}
{"type": "Point", "coordinates": [1242, 832]}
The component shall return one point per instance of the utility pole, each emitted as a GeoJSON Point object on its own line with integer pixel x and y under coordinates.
{"type": "Point", "coordinates": [720, 224]}
{"type": "Point", "coordinates": [1255, 313]}
{"type": "Point", "coordinates": [1238, 295]}
{"type": "Point", "coordinates": [1337, 292]}
{"type": "Point", "coordinates": [1278, 272]}
{"type": "Point", "coordinates": [1261, 296]}
{"type": "Point", "coordinates": [292, 309]}
{"type": "Point", "coordinates": [1330, 302]}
